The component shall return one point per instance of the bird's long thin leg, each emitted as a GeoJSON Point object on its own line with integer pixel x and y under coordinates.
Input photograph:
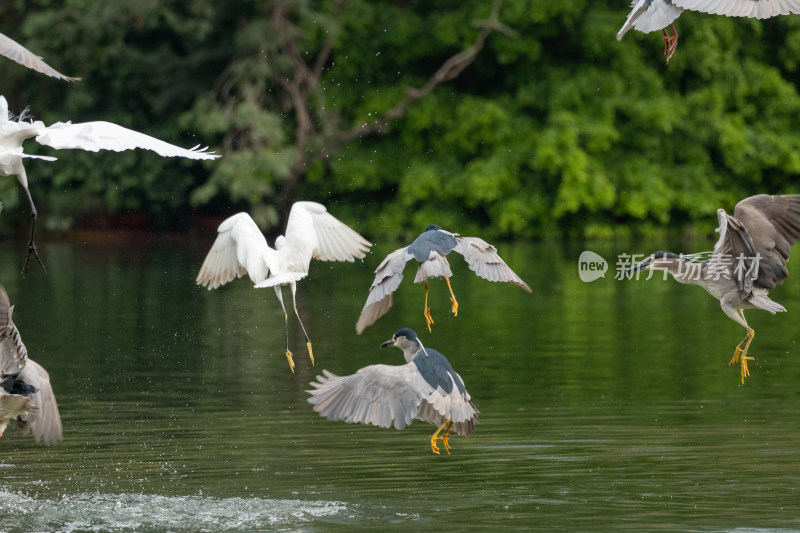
{"type": "Point", "coordinates": [443, 438]}
{"type": "Point", "coordinates": [427, 312]}
{"type": "Point", "coordinates": [453, 301]}
{"type": "Point", "coordinates": [286, 322]}
{"type": "Point", "coordinates": [670, 42]}
{"type": "Point", "coordinates": [31, 245]}
{"type": "Point", "coordinates": [308, 341]}
{"type": "Point", "coordinates": [741, 351]}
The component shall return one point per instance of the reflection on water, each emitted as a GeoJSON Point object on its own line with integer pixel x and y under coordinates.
{"type": "Point", "coordinates": [603, 405]}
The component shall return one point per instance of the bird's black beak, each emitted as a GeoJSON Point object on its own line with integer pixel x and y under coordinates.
{"type": "Point", "coordinates": [641, 266]}
{"type": "Point", "coordinates": [388, 343]}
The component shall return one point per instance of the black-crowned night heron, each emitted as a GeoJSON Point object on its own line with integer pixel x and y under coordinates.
{"type": "Point", "coordinates": [311, 232]}
{"type": "Point", "coordinates": [426, 388]}
{"type": "Point", "coordinates": [16, 52]}
{"type": "Point", "coordinates": [430, 249]}
{"type": "Point", "coordinates": [748, 260]}
{"type": "Point", "coordinates": [653, 15]}
{"type": "Point", "coordinates": [90, 136]}
{"type": "Point", "coordinates": [25, 391]}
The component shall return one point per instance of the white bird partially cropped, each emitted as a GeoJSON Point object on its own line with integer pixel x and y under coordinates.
{"type": "Point", "coordinates": [653, 15]}
{"type": "Point", "coordinates": [311, 232]}
{"type": "Point", "coordinates": [25, 391]}
{"type": "Point", "coordinates": [90, 136]}
{"type": "Point", "coordinates": [16, 52]}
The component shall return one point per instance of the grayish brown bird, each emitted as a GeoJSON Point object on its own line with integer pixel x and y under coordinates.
{"type": "Point", "coordinates": [25, 391]}
{"type": "Point", "coordinates": [16, 52]}
{"type": "Point", "coordinates": [748, 260]}
{"type": "Point", "coordinates": [430, 250]}
{"type": "Point", "coordinates": [653, 15]}
{"type": "Point", "coordinates": [311, 233]}
{"type": "Point", "coordinates": [426, 388]}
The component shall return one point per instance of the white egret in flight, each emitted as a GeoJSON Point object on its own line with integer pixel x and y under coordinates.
{"type": "Point", "coordinates": [90, 136]}
{"type": "Point", "coordinates": [311, 233]}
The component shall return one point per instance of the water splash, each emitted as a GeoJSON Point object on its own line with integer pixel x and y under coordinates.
{"type": "Point", "coordinates": [143, 512]}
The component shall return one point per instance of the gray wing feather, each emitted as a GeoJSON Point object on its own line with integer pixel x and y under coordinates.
{"type": "Point", "coordinates": [388, 276]}
{"type": "Point", "coordinates": [483, 259]}
{"type": "Point", "coordinates": [13, 354]}
{"type": "Point", "coordinates": [376, 394]}
{"type": "Point", "coordinates": [759, 9]}
{"type": "Point", "coordinates": [46, 424]}
{"type": "Point", "coordinates": [773, 226]}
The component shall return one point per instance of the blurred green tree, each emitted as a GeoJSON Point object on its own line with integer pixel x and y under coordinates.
{"type": "Point", "coordinates": [553, 127]}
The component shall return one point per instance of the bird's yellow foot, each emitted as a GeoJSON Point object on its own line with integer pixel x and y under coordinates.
{"type": "Point", "coordinates": [444, 438]}
{"type": "Point", "coordinates": [310, 352]}
{"type": "Point", "coordinates": [434, 448]}
{"type": "Point", "coordinates": [291, 361]}
{"type": "Point", "coordinates": [428, 317]}
{"type": "Point", "coordinates": [738, 355]}
{"type": "Point", "coordinates": [454, 310]}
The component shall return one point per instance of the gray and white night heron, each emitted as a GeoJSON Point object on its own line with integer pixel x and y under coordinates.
{"type": "Point", "coordinates": [653, 15]}
{"type": "Point", "coordinates": [430, 250]}
{"type": "Point", "coordinates": [90, 136]}
{"type": "Point", "coordinates": [25, 391]}
{"type": "Point", "coordinates": [426, 388]}
{"type": "Point", "coordinates": [748, 260]}
{"type": "Point", "coordinates": [16, 52]}
{"type": "Point", "coordinates": [311, 233]}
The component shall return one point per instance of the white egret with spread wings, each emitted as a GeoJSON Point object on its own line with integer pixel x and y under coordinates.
{"type": "Point", "coordinates": [311, 233]}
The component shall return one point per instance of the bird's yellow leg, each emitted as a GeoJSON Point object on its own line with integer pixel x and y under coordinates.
{"type": "Point", "coordinates": [288, 353]}
{"type": "Point", "coordinates": [443, 438]}
{"type": "Point", "coordinates": [446, 436]}
{"type": "Point", "coordinates": [310, 353]}
{"type": "Point", "coordinates": [741, 351]}
{"type": "Point", "coordinates": [454, 310]}
{"type": "Point", "coordinates": [427, 311]}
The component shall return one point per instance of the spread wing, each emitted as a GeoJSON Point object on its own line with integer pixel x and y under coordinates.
{"type": "Point", "coordinates": [47, 423]}
{"type": "Point", "coordinates": [759, 9]}
{"type": "Point", "coordinates": [16, 52]}
{"type": "Point", "coordinates": [483, 259]}
{"type": "Point", "coordinates": [240, 248]}
{"type": "Point", "coordinates": [95, 136]}
{"type": "Point", "coordinates": [376, 394]}
{"type": "Point", "coordinates": [320, 235]}
{"type": "Point", "coordinates": [388, 276]}
{"type": "Point", "coordinates": [647, 16]}
{"type": "Point", "coordinates": [13, 354]}
{"type": "Point", "coordinates": [763, 229]}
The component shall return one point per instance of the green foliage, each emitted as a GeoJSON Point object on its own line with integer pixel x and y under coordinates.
{"type": "Point", "coordinates": [558, 129]}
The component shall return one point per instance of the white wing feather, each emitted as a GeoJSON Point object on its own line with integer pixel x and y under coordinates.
{"type": "Point", "coordinates": [16, 52]}
{"type": "Point", "coordinates": [647, 17]}
{"type": "Point", "coordinates": [95, 136]}
{"type": "Point", "coordinates": [240, 248]}
{"type": "Point", "coordinates": [759, 9]}
{"type": "Point", "coordinates": [322, 236]}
